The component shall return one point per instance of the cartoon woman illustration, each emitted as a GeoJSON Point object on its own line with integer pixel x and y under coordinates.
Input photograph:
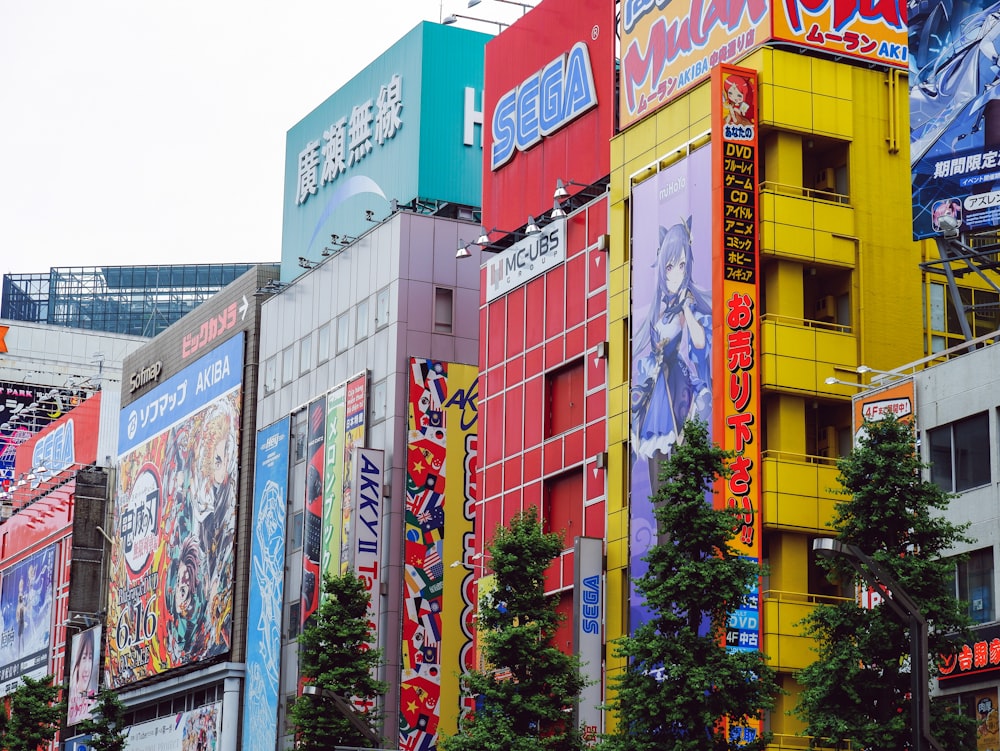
{"type": "Point", "coordinates": [673, 354]}
{"type": "Point", "coordinates": [83, 679]}
{"type": "Point", "coordinates": [737, 100]}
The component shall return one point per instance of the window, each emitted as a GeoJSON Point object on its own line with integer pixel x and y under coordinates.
{"type": "Point", "coordinates": [287, 365]}
{"type": "Point", "coordinates": [323, 343]}
{"type": "Point", "coordinates": [294, 620]}
{"type": "Point", "coordinates": [974, 584]}
{"type": "Point", "coordinates": [343, 332]}
{"type": "Point", "coordinates": [295, 532]}
{"type": "Point", "coordinates": [562, 504]}
{"type": "Point", "coordinates": [305, 353]}
{"type": "Point", "coordinates": [564, 398]}
{"type": "Point", "coordinates": [444, 300]}
{"type": "Point", "coordinates": [382, 309]}
{"type": "Point", "coordinates": [270, 374]}
{"type": "Point", "coordinates": [960, 453]}
{"type": "Point", "coordinates": [378, 400]}
{"type": "Point", "coordinates": [362, 323]}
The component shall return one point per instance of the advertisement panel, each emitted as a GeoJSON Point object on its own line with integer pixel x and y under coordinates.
{"type": "Point", "coordinates": [672, 336]}
{"type": "Point", "coordinates": [70, 440]}
{"type": "Point", "coordinates": [26, 409]}
{"type": "Point", "coordinates": [548, 107]}
{"type": "Point", "coordinates": [525, 260]}
{"type": "Point", "coordinates": [312, 530]}
{"type": "Point", "coordinates": [355, 409]}
{"type": "Point", "coordinates": [267, 579]}
{"type": "Point", "coordinates": [196, 730]}
{"type": "Point", "coordinates": [668, 48]}
{"type": "Point", "coordinates": [26, 606]}
{"type": "Point", "coordinates": [171, 593]}
{"type": "Point", "coordinates": [875, 32]}
{"type": "Point", "coordinates": [588, 631]}
{"type": "Point", "coordinates": [875, 404]}
{"type": "Point", "coordinates": [737, 333]}
{"type": "Point", "coordinates": [333, 481]}
{"type": "Point", "coordinates": [366, 547]}
{"type": "Point", "coordinates": [441, 464]}
{"type": "Point", "coordinates": [954, 137]}
{"type": "Point", "coordinates": [81, 696]}
{"type": "Point", "coordinates": [380, 140]}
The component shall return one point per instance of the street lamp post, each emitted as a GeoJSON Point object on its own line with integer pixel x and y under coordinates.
{"type": "Point", "coordinates": [877, 577]}
{"type": "Point", "coordinates": [345, 709]}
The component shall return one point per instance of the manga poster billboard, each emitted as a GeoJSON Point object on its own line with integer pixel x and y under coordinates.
{"type": "Point", "coordinates": [26, 606]}
{"type": "Point", "coordinates": [954, 117]}
{"type": "Point", "coordinates": [171, 588]}
{"type": "Point", "coordinates": [267, 578]}
{"type": "Point", "coordinates": [438, 598]}
{"type": "Point", "coordinates": [672, 309]}
{"type": "Point", "coordinates": [312, 579]}
{"type": "Point", "coordinates": [333, 481]}
{"type": "Point", "coordinates": [197, 730]}
{"type": "Point", "coordinates": [83, 675]}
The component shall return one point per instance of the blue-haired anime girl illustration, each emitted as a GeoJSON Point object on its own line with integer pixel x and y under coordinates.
{"type": "Point", "coordinates": [672, 366]}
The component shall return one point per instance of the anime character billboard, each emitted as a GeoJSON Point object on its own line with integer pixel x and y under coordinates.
{"type": "Point", "coordinates": [267, 578]}
{"type": "Point", "coordinates": [954, 116]}
{"type": "Point", "coordinates": [171, 598]}
{"type": "Point", "coordinates": [26, 608]}
{"type": "Point", "coordinates": [86, 656]}
{"type": "Point", "coordinates": [671, 332]}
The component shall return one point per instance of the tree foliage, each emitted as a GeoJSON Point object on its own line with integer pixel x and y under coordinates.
{"type": "Point", "coordinates": [33, 715]}
{"type": "Point", "coordinates": [681, 687]}
{"type": "Point", "coordinates": [527, 700]}
{"type": "Point", "coordinates": [106, 727]}
{"type": "Point", "coordinates": [858, 689]}
{"type": "Point", "coordinates": [334, 655]}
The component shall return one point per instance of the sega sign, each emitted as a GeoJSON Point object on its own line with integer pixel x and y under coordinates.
{"type": "Point", "coordinates": [548, 107]}
{"type": "Point", "coordinates": [543, 103]}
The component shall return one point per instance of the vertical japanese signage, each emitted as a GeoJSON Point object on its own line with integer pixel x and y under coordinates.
{"type": "Point", "coordinates": [354, 435]}
{"type": "Point", "coordinates": [366, 547]}
{"type": "Point", "coordinates": [312, 578]}
{"type": "Point", "coordinates": [672, 336]}
{"type": "Point", "coordinates": [737, 427]}
{"type": "Point", "coordinates": [26, 605]}
{"type": "Point", "coordinates": [954, 117]}
{"type": "Point", "coordinates": [442, 450]}
{"type": "Point", "coordinates": [333, 482]}
{"type": "Point", "coordinates": [171, 579]}
{"type": "Point", "coordinates": [267, 578]}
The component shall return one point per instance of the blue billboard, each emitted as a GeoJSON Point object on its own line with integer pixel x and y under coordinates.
{"type": "Point", "coordinates": [267, 575]}
{"type": "Point", "coordinates": [407, 127]}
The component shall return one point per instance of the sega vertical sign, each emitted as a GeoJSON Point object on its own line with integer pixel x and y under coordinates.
{"type": "Point", "coordinates": [588, 630]}
{"type": "Point", "coordinates": [547, 107]}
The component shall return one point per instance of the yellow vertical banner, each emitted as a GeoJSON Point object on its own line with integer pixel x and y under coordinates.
{"type": "Point", "coordinates": [736, 326]}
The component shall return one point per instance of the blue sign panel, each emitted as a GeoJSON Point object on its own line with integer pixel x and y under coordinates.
{"type": "Point", "coordinates": [406, 127]}
{"type": "Point", "coordinates": [267, 575]}
{"type": "Point", "coordinates": [211, 376]}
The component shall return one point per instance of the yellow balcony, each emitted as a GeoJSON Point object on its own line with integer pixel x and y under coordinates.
{"type": "Point", "coordinates": [799, 492]}
{"type": "Point", "coordinates": [806, 225]}
{"type": "Point", "coordinates": [798, 355]}
{"type": "Point", "coordinates": [785, 642]}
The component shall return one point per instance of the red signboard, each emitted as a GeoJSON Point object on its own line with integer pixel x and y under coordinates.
{"type": "Point", "coordinates": [548, 108]}
{"type": "Point", "coordinates": [69, 441]}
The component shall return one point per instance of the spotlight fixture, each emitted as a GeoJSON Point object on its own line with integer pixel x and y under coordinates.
{"type": "Point", "coordinates": [558, 212]}
{"type": "Point", "coordinates": [369, 215]}
{"type": "Point", "coordinates": [949, 226]}
{"type": "Point", "coordinates": [561, 193]}
{"type": "Point", "coordinates": [525, 7]}
{"type": "Point", "coordinates": [463, 250]}
{"type": "Point", "coordinates": [532, 228]}
{"type": "Point", "coordinates": [862, 369]}
{"type": "Point", "coordinates": [453, 18]}
{"type": "Point", "coordinates": [306, 263]}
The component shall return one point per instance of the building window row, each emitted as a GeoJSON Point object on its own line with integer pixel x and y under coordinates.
{"type": "Point", "coordinates": [960, 453]}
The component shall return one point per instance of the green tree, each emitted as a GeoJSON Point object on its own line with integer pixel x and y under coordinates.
{"type": "Point", "coordinates": [527, 701]}
{"type": "Point", "coordinates": [334, 656]}
{"type": "Point", "coordinates": [106, 727]}
{"type": "Point", "coordinates": [34, 714]}
{"type": "Point", "coordinates": [858, 689]}
{"type": "Point", "coordinates": [681, 686]}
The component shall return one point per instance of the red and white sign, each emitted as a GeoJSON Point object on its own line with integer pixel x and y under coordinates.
{"type": "Point", "coordinates": [548, 110]}
{"type": "Point", "coordinates": [70, 440]}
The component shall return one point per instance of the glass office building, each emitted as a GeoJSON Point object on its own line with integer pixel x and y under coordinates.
{"type": "Point", "coordinates": [137, 300]}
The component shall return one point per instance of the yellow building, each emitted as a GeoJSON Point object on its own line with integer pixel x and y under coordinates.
{"type": "Point", "coordinates": [840, 286]}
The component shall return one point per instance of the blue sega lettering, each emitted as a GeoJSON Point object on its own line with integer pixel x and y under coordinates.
{"type": "Point", "coordinates": [543, 103]}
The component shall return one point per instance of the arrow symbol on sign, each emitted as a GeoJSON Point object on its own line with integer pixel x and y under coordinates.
{"type": "Point", "coordinates": [243, 308]}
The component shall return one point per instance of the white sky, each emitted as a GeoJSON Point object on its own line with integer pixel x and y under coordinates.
{"type": "Point", "coordinates": [134, 132]}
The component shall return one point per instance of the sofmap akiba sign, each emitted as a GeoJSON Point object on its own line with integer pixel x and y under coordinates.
{"type": "Point", "coordinates": [548, 107]}
{"type": "Point", "coordinates": [669, 47]}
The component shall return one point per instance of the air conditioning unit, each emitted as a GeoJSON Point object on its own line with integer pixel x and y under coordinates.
{"type": "Point", "coordinates": [826, 309]}
{"type": "Point", "coordinates": [827, 443]}
{"type": "Point", "coordinates": [826, 179]}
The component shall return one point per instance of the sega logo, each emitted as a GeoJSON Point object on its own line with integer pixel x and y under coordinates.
{"type": "Point", "coordinates": [543, 103]}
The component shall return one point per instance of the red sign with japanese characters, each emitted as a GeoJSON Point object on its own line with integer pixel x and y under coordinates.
{"type": "Point", "coordinates": [976, 660]}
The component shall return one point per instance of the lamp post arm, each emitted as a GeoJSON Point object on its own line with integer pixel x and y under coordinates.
{"type": "Point", "coordinates": [347, 711]}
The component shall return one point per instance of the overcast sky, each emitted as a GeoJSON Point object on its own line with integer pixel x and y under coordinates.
{"type": "Point", "coordinates": [134, 132]}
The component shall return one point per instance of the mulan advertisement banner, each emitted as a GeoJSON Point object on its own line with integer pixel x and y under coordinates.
{"type": "Point", "coordinates": [671, 335]}
{"type": "Point", "coordinates": [171, 593]}
{"type": "Point", "coordinates": [26, 606]}
{"type": "Point", "coordinates": [954, 117]}
{"type": "Point", "coordinates": [267, 577]}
